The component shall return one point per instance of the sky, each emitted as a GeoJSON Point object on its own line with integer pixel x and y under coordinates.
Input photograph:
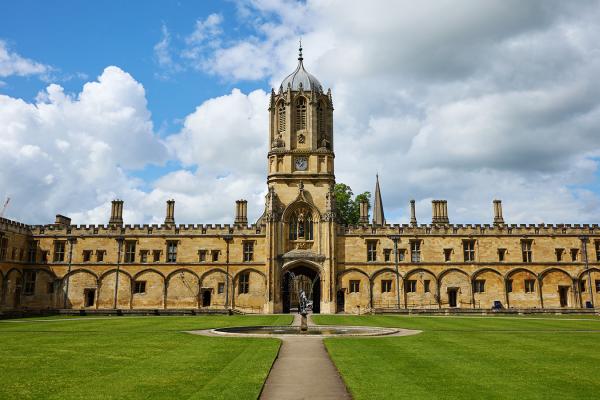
{"type": "Point", "coordinates": [463, 100]}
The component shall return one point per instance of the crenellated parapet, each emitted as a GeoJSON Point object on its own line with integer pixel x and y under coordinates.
{"type": "Point", "coordinates": [7, 225]}
{"type": "Point", "coordinates": [471, 229]}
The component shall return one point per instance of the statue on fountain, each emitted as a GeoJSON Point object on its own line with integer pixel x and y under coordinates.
{"type": "Point", "coordinates": [302, 307]}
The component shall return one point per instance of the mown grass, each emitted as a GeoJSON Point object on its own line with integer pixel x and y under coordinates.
{"type": "Point", "coordinates": [471, 358]}
{"type": "Point", "coordinates": [132, 358]}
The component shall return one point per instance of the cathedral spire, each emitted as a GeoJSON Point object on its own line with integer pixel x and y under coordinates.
{"type": "Point", "coordinates": [378, 217]}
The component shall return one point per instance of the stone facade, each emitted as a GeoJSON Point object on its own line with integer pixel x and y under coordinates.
{"type": "Point", "coordinates": [343, 268]}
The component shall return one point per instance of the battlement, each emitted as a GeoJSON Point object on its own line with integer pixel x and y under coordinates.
{"type": "Point", "coordinates": [14, 226]}
{"type": "Point", "coordinates": [147, 229]}
{"type": "Point", "coordinates": [471, 229]}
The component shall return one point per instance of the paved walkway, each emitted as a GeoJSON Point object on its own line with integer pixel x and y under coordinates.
{"type": "Point", "coordinates": [303, 370]}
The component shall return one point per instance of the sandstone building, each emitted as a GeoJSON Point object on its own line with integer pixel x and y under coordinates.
{"type": "Point", "coordinates": [297, 240]}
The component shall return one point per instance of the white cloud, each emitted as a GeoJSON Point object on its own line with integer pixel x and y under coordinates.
{"type": "Point", "coordinates": [12, 63]}
{"type": "Point", "coordinates": [163, 53]}
{"type": "Point", "coordinates": [67, 153]}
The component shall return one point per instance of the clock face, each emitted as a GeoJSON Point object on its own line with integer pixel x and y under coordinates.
{"type": "Point", "coordinates": [301, 163]}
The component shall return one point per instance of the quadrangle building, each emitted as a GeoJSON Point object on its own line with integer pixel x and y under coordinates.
{"type": "Point", "coordinates": [297, 242]}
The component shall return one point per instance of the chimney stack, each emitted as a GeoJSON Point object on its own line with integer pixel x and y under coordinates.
{"type": "Point", "coordinates": [440, 212]}
{"type": "Point", "coordinates": [364, 212]}
{"type": "Point", "coordinates": [413, 214]}
{"type": "Point", "coordinates": [116, 213]}
{"type": "Point", "coordinates": [61, 220]}
{"type": "Point", "coordinates": [241, 212]}
{"type": "Point", "coordinates": [170, 217]}
{"type": "Point", "coordinates": [498, 219]}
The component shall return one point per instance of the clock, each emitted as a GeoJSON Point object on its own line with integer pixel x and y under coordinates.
{"type": "Point", "coordinates": [301, 163]}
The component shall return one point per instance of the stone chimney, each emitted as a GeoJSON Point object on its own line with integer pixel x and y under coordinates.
{"type": "Point", "coordinates": [170, 216]}
{"type": "Point", "coordinates": [413, 214]}
{"type": "Point", "coordinates": [116, 213]}
{"type": "Point", "coordinates": [439, 212]}
{"type": "Point", "coordinates": [364, 212]}
{"type": "Point", "coordinates": [61, 220]}
{"type": "Point", "coordinates": [498, 219]}
{"type": "Point", "coordinates": [241, 212]}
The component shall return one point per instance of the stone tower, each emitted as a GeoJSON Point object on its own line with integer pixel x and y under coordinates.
{"type": "Point", "coordinates": [299, 209]}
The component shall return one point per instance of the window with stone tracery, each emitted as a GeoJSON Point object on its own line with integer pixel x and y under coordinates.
{"type": "Point", "coordinates": [281, 117]}
{"type": "Point", "coordinates": [321, 120]}
{"type": "Point", "coordinates": [301, 113]}
{"type": "Point", "coordinates": [301, 225]}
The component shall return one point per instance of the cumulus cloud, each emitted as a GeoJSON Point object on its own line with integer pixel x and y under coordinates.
{"type": "Point", "coordinates": [466, 101]}
{"type": "Point", "coordinates": [69, 153]}
{"type": "Point", "coordinates": [12, 63]}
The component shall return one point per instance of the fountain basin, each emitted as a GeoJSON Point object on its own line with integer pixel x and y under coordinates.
{"type": "Point", "coordinates": [320, 330]}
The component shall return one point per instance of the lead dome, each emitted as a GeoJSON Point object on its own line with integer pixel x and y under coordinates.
{"type": "Point", "coordinates": [301, 79]}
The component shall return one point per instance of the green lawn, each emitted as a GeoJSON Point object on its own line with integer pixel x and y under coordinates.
{"type": "Point", "coordinates": [132, 358]}
{"type": "Point", "coordinates": [471, 358]}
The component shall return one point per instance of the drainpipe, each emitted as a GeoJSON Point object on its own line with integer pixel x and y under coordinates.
{"type": "Point", "coordinates": [228, 239]}
{"type": "Point", "coordinates": [396, 238]}
{"type": "Point", "coordinates": [71, 242]}
{"type": "Point", "coordinates": [584, 241]}
{"type": "Point", "coordinates": [120, 244]}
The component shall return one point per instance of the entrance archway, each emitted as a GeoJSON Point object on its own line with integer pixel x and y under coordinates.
{"type": "Point", "coordinates": [301, 278]}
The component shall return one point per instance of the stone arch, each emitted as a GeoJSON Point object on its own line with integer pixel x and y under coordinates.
{"type": "Point", "coordinates": [295, 263]}
{"type": "Point", "coordinates": [211, 280]}
{"type": "Point", "coordinates": [355, 302]}
{"type": "Point", "coordinates": [557, 288]}
{"type": "Point", "coordinates": [44, 290]}
{"type": "Point", "coordinates": [426, 294]}
{"type": "Point", "coordinates": [106, 289]}
{"type": "Point", "coordinates": [254, 299]}
{"type": "Point", "coordinates": [182, 289]}
{"type": "Point", "coordinates": [455, 288]}
{"type": "Point", "coordinates": [384, 285]}
{"type": "Point", "coordinates": [594, 274]}
{"type": "Point", "coordinates": [519, 297]}
{"type": "Point", "coordinates": [154, 296]}
{"type": "Point", "coordinates": [494, 288]}
{"type": "Point", "coordinates": [12, 288]}
{"type": "Point", "coordinates": [79, 281]}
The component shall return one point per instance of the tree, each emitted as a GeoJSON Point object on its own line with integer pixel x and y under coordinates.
{"type": "Point", "coordinates": [348, 208]}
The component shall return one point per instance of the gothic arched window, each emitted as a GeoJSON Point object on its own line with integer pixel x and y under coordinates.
{"type": "Point", "coordinates": [321, 120]}
{"type": "Point", "coordinates": [281, 117]}
{"type": "Point", "coordinates": [301, 225]}
{"type": "Point", "coordinates": [301, 113]}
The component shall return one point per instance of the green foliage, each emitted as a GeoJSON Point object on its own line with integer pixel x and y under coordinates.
{"type": "Point", "coordinates": [348, 208]}
{"type": "Point", "coordinates": [470, 358]}
{"type": "Point", "coordinates": [133, 358]}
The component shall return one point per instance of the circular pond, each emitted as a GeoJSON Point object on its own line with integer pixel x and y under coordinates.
{"type": "Point", "coordinates": [320, 330]}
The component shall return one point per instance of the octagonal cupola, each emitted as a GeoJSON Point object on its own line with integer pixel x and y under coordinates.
{"type": "Point", "coordinates": [301, 79]}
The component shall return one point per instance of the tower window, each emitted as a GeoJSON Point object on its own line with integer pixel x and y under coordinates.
{"type": "Point", "coordinates": [371, 251]}
{"type": "Point", "coordinates": [171, 252]}
{"type": "Point", "coordinates": [411, 286]}
{"type": "Point", "coordinates": [321, 121]}
{"type": "Point", "coordinates": [29, 283]}
{"type": "Point", "coordinates": [130, 251]}
{"type": "Point", "coordinates": [501, 255]}
{"type": "Point", "coordinates": [59, 251]}
{"type": "Point", "coordinates": [479, 286]}
{"type": "Point", "coordinates": [526, 249]}
{"type": "Point", "coordinates": [301, 225]}
{"type": "Point", "coordinates": [301, 113]}
{"type": "Point", "coordinates": [248, 251]}
{"type": "Point", "coordinates": [469, 250]}
{"type": "Point", "coordinates": [32, 251]}
{"type": "Point", "coordinates": [244, 283]}
{"type": "Point", "coordinates": [574, 254]}
{"type": "Point", "coordinates": [415, 251]}
{"type": "Point", "coordinates": [386, 286]}
{"type": "Point", "coordinates": [559, 254]}
{"type": "Point", "coordinates": [529, 285]}
{"type": "Point", "coordinates": [281, 117]}
{"type": "Point", "coordinates": [447, 255]}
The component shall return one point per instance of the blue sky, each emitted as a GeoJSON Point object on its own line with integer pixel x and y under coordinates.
{"type": "Point", "coordinates": [461, 100]}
